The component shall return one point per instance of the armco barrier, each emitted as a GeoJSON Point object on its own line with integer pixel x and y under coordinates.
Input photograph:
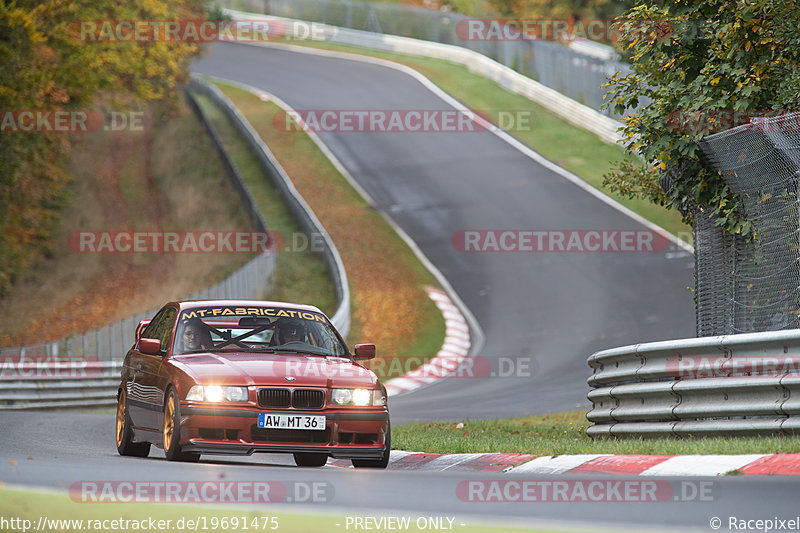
{"type": "Point", "coordinates": [746, 384]}
{"type": "Point", "coordinates": [50, 384]}
{"type": "Point", "coordinates": [565, 107]}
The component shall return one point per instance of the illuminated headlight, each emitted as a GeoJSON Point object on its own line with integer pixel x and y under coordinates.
{"type": "Point", "coordinates": [215, 393]}
{"type": "Point", "coordinates": [358, 397]}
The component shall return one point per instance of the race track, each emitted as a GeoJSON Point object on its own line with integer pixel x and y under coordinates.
{"type": "Point", "coordinates": [554, 309]}
{"type": "Point", "coordinates": [63, 450]}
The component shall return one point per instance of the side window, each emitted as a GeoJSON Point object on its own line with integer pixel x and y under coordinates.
{"type": "Point", "coordinates": [153, 326]}
{"type": "Point", "coordinates": [165, 329]}
{"type": "Point", "coordinates": [161, 326]}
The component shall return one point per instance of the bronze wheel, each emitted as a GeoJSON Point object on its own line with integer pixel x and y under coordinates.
{"type": "Point", "coordinates": [169, 421]}
{"type": "Point", "coordinates": [171, 433]}
{"type": "Point", "coordinates": [121, 418]}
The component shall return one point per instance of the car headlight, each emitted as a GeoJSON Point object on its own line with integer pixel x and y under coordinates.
{"type": "Point", "coordinates": [216, 393]}
{"type": "Point", "coordinates": [358, 397]}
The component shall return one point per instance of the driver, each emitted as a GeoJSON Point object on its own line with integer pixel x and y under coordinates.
{"type": "Point", "coordinates": [291, 330]}
{"type": "Point", "coordinates": [196, 336]}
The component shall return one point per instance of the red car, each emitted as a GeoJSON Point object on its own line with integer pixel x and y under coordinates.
{"type": "Point", "coordinates": [237, 377]}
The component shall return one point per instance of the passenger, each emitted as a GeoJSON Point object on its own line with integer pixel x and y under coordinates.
{"type": "Point", "coordinates": [196, 336]}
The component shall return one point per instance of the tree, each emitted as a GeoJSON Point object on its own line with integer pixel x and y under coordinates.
{"type": "Point", "coordinates": [48, 66]}
{"type": "Point", "coordinates": [698, 62]}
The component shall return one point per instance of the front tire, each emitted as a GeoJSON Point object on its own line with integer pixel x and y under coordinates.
{"type": "Point", "coordinates": [171, 432]}
{"type": "Point", "coordinates": [383, 462]}
{"type": "Point", "coordinates": [125, 444]}
{"type": "Point", "coordinates": [310, 459]}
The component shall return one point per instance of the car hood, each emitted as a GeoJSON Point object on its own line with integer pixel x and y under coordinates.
{"type": "Point", "coordinates": [272, 369]}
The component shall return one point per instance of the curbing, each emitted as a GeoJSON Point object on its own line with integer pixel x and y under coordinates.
{"type": "Point", "coordinates": [455, 349]}
{"type": "Point", "coordinates": [786, 464]}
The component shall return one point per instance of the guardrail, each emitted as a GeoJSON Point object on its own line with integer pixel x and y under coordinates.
{"type": "Point", "coordinates": [61, 384]}
{"type": "Point", "coordinates": [747, 384]}
{"type": "Point", "coordinates": [571, 110]}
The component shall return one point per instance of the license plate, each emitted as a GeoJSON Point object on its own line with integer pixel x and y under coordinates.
{"type": "Point", "coordinates": [284, 421]}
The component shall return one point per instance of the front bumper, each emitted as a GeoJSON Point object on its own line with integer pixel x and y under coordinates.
{"type": "Point", "coordinates": [348, 433]}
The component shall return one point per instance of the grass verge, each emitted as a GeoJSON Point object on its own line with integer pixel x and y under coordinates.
{"type": "Point", "coordinates": [390, 306]}
{"type": "Point", "coordinates": [564, 434]}
{"type": "Point", "coordinates": [33, 506]}
{"type": "Point", "coordinates": [571, 147]}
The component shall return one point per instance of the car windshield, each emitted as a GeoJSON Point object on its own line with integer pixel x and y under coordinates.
{"type": "Point", "coordinates": [256, 329]}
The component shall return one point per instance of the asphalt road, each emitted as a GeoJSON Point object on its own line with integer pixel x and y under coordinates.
{"type": "Point", "coordinates": [69, 450]}
{"type": "Point", "coordinates": [546, 312]}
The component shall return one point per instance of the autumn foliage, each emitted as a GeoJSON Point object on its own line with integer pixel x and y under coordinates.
{"type": "Point", "coordinates": [718, 58]}
{"type": "Point", "coordinates": [47, 66]}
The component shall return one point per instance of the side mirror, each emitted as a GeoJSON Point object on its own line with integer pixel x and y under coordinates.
{"type": "Point", "coordinates": [364, 352]}
{"type": "Point", "coordinates": [142, 324]}
{"type": "Point", "coordinates": [150, 346]}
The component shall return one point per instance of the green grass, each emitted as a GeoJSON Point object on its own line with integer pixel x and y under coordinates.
{"type": "Point", "coordinates": [571, 147]}
{"type": "Point", "coordinates": [564, 434]}
{"type": "Point", "coordinates": [300, 276]}
{"type": "Point", "coordinates": [29, 505]}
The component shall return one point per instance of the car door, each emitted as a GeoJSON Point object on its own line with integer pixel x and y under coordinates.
{"type": "Point", "coordinates": [146, 393]}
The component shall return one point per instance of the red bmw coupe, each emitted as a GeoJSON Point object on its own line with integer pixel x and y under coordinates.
{"type": "Point", "coordinates": [237, 377]}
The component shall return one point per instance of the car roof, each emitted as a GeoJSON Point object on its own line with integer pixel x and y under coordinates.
{"type": "Point", "coordinates": [192, 304]}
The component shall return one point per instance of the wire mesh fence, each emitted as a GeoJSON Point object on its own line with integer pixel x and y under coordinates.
{"type": "Point", "coordinates": [554, 65]}
{"type": "Point", "coordinates": [746, 285]}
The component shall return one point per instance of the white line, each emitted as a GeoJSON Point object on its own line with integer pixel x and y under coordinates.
{"type": "Point", "coordinates": [451, 460]}
{"type": "Point", "coordinates": [553, 465]}
{"type": "Point", "coordinates": [700, 465]}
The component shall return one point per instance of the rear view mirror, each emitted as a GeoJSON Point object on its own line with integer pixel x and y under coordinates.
{"type": "Point", "coordinates": [253, 321]}
{"type": "Point", "coordinates": [150, 346]}
{"type": "Point", "coordinates": [364, 351]}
